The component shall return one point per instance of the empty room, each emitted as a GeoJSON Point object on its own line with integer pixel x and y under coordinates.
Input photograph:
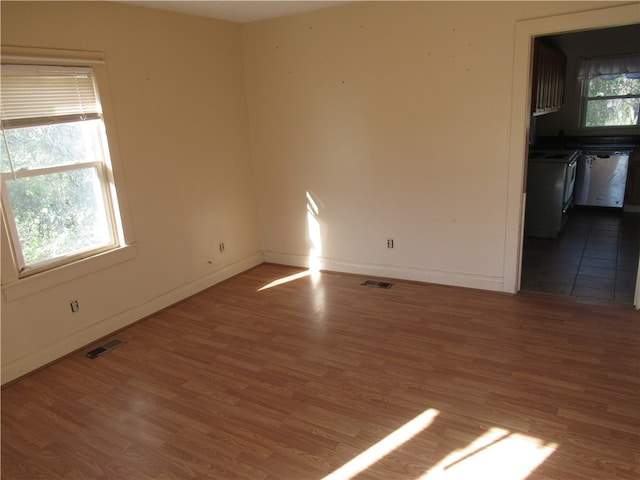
{"type": "Point", "coordinates": [299, 240]}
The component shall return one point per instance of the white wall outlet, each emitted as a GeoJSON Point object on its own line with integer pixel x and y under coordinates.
{"type": "Point", "coordinates": [222, 247]}
{"type": "Point", "coordinates": [390, 243]}
{"type": "Point", "coordinates": [75, 306]}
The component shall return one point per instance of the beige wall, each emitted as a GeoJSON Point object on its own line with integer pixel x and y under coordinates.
{"type": "Point", "coordinates": [396, 118]}
{"type": "Point", "coordinates": [179, 109]}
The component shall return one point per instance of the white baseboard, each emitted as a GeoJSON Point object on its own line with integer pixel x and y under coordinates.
{"type": "Point", "coordinates": [50, 353]}
{"type": "Point", "coordinates": [456, 279]}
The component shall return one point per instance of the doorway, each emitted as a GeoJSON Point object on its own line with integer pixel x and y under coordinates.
{"type": "Point", "coordinates": [526, 31]}
{"type": "Point", "coordinates": [595, 256]}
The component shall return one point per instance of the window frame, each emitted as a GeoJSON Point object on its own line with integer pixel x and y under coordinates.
{"type": "Point", "coordinates": [589, 68]}
{"type": "Point", "coordinates": [16, 245]}
{"type": "Point", "coordinates": [16, 284]}
{"type": "Point", "coordinates": [584, 100]}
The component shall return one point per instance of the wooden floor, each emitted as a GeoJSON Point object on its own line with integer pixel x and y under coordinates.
{"type": "Point", "coordinates": [322, 375]}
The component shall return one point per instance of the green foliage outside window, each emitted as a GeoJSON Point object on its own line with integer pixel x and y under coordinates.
{"type": "Point", "coordinates": [612, 102]}
{"type": "Point", "coordinates": [57, 214]}
{"type": "Point", "coordinates": [57, 211]}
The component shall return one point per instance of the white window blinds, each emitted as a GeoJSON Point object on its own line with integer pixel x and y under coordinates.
{"type": "Point", "coordinates": [41, 95]}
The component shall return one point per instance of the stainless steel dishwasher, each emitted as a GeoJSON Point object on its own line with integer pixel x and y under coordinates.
{"type": "Point", "coordinates": [601, 178]}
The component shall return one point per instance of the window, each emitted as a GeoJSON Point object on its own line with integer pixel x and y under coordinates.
{"type": "Point", "coordinates": [57, 195]}
{"type": "Point", "coordinates": [610, 91]}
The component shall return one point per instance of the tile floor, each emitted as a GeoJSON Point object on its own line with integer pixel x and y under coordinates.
{"type": "Point", "coordinates": [595, 257]}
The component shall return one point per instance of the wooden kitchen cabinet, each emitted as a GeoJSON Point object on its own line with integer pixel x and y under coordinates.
{"type": "Point", "coordinates": [549, 67]}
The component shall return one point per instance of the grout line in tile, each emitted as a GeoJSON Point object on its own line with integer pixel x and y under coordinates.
{"type": "Point", "coordinates": [584, 248]}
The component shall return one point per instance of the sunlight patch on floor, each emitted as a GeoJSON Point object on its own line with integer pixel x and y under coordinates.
{"type": "Point", "coordinates": [498, 454]}
{"type": "Point", "coordinates": [384, 446]}
{"type": "Point", "coordinates": [287, 279]}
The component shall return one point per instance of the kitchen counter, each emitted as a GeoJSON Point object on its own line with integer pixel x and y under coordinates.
{"type": "Point", "coordinates": [628, 142]}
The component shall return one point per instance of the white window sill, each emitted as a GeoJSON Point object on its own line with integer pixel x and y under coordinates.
{"type": "Point", "coordinates": [28, 286]}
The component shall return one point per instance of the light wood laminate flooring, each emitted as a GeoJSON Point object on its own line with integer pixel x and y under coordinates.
{"type": "Point", "coordinates": [320, 377]}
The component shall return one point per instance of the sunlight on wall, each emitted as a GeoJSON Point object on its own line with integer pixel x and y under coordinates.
{"type": "Point", "coordinates": [314, 235]}
{"type": "Point", "coordinates": [314, 238]}
{"type": "Point", "coordinates": [497, 454]}
{"type": "Point", "coordinates": [384, 446]}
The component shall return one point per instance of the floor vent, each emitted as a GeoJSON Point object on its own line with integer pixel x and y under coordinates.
{"type": "Point", "coordinates": [376, 284]}
{"type": "Point", "coordinates": [96, 352]}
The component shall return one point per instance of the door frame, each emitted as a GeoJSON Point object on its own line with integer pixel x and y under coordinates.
{"type": "Point", "coordinates": [525, 33]}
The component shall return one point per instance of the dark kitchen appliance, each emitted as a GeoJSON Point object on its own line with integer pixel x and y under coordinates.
{"type": "Point", "coordinates": [551, 177]}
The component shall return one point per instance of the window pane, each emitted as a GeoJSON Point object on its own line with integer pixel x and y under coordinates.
{"type": "Point", "coordinates": [51, 145]}
{"type": "Point", "coordinates": [59, 214]}
{"type": "Point", "coordinates": [608, 87]}
{"type": "Point", "coordinates": [612, 112]}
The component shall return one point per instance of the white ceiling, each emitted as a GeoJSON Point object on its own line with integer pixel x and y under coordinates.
{"type": "Point", "coordinates": [240, 11]}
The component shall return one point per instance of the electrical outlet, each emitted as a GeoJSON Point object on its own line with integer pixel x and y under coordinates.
{"type": "Point", "coordinates": [390, 243]}
{"type": "Point", "coordinates": [222, 247]}
{"type": "Point", "coordinates": [75, 306]}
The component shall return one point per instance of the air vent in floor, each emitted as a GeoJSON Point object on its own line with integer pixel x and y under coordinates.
{"type": "Point", "coordinates": [96, 352]}
{"type": "Point", "coordinates": [376, 284]}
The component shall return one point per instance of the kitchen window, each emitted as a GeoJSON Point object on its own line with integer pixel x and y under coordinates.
{"type": "Point", "coordinates": [610, 91]}
{"type": "Point", "coordinates": [58, 197]}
